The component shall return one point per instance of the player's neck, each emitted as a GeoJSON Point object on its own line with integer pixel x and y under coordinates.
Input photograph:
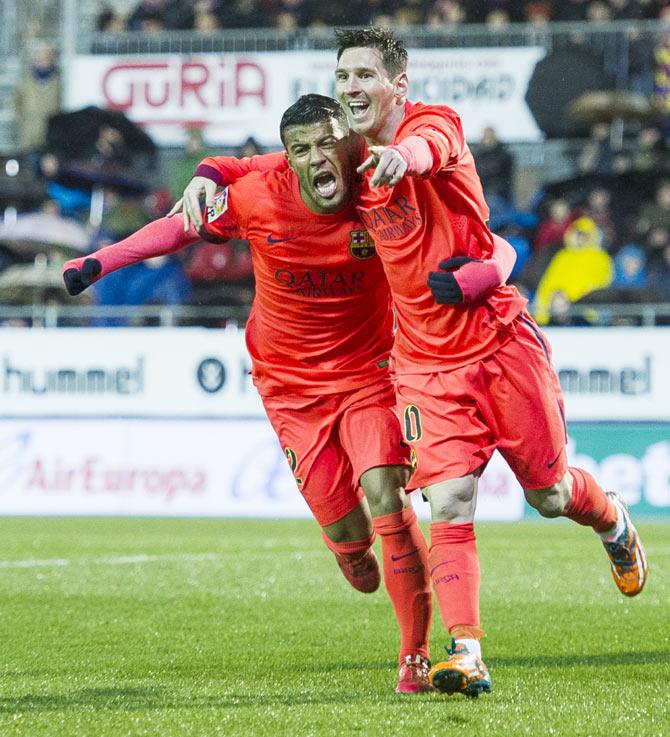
{"type": "Point", "coordinates": [385, 136]}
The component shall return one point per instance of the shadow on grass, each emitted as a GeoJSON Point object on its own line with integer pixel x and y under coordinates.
{"type": "Point", "coordinates": [145, 699]}
{"type": "Point", "coordinates": [128, 699]}
{"type": "Point", "coordinates": [601, 660]}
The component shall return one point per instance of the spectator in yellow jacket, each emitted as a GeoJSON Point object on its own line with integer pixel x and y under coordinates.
{"type": "Point", "coordinates": [580, 267]}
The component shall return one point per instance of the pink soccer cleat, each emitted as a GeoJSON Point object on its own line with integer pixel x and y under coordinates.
{"type": "Point", "coordinates": [413, 675]}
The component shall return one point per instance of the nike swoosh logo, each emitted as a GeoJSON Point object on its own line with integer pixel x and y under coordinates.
{"type": "Point", "coordinates": [553, 463]}
{"type": "Point", "coordinates": [272, 240]}
{"type": "Point", "coordinates": [404, 555]}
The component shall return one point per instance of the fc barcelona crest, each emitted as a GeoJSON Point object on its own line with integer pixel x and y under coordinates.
{"type": "Point", "coordinates": [361, 245]}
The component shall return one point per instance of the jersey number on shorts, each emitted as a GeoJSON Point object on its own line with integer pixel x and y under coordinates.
{"type": "Point", "coordinates": [413, 429]}
{"type": "Point", "coordinates": [292, 459]}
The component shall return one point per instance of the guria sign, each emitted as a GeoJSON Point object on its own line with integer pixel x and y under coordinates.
{"type": "Point", "coordinates": [233, 96]}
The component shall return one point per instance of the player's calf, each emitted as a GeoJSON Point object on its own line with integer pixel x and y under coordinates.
{"type": "Point", "coordinates": [361, 571]}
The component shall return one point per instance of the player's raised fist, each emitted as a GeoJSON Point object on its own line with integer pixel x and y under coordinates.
{"type": "Point", "coordinates": [79, 274]}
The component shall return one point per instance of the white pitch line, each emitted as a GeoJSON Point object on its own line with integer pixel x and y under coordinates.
{"type": "Point", "coordinates": [112, 561]}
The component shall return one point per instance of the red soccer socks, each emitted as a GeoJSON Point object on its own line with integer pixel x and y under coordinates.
{"type": "Point", "coordinates": [589, 504]}
{"type": "Point", "coordinates": [454, 569]}
{"type": "Point", "coordinates": [405, 564]}
{"type": "Point", "coordinates": [357, 561]}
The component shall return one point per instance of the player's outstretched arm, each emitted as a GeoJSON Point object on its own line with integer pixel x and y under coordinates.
{"type": "Point", "coordinates": [429, 141]}
{"type": "Point", "coordinates": [219, 171]}
{"type": "Point", "coordinates": [158, 238]}
{"type": "Point", "coordinates": [464, 280]}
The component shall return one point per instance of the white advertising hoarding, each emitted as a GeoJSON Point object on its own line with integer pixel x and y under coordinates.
{"type": "Point", "coordinates": [166, 422]}
{"type": "Point", "coordinates": [126, 372]}
{"type": "Point", "coordinates": [606, 373]}
{"type": "Point", "coordinates": [232, 468]}
{"type": "Point", "coordinates": [613, 373]}
{"type": "Point", "coordinates": [238, 95]}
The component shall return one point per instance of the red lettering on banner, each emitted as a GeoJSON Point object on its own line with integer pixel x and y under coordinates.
{"type": "Point", "coordinates": [91, 476]}
{"type": "Point", "coordinates": [183, 85]}
{"type": "Point", "coordinates": [120, 86]}
{"type": "Point", "coordinates": [189, 85]}
{"type": "Point", "coordinates": [249, 81]}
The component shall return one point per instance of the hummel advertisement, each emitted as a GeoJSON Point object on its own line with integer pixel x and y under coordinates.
{"type": "Point", "coordinates": [613, 373]}
{"type": "Point", "coordinates": [606, 374]}
{"type": "Point", "coordinates": [126, 373]}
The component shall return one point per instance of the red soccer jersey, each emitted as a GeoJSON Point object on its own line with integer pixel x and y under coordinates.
{"type": "Point", "coordinates": [422, 221]}
{"type": "Point", "coordinates": [321, 321]}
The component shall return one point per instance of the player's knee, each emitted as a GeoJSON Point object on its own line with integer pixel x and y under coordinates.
{"type": "Point", "coordinates": [356, 525]}
{"type": "Point", "coordinates": [453, 500]}
{"type": "Point", "coordinates": [384, 489]}
{"type": "Point", "coordinates": [553, 500]}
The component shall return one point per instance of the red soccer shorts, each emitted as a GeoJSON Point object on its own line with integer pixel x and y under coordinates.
{"type": "Point", "coordinates": [510, 401]}
{"type": "Point", "coordinates": [331, 440]}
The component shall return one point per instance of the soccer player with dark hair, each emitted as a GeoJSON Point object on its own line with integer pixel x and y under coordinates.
{"type": "Point", "coordinates": [319, 336]}
{"type": "Point", "coordinates": [469, 379]}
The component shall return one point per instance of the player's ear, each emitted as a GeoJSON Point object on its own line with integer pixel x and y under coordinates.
{"type": "Point", "coordinates": [288, 159]}
{"type": "Point", "coordinates": [401, 87]}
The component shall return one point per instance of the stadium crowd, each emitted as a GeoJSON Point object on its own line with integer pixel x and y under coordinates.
{"type": "Point", "coordinates": [207, 16]}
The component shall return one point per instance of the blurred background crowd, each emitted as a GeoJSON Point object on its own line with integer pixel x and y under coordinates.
{"type": "Point", "coordinates": [207, 16]}
{"type": "Point", "coordinates": [598, 235]}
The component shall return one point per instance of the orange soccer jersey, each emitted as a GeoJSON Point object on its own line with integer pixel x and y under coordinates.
{"type": "Point", "coordinates": [419, 223]}
{"type": "Point", "coordinates": [321, 320]}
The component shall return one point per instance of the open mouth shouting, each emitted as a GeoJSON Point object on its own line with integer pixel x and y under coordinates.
{"type": "Point", "coordinates": [357, 109]}
{"type": "Point", "coordinates": [325, 183]}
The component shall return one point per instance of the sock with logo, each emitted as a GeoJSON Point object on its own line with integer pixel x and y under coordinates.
{"type": "Point", "coordinates": [470, 641]}
{"type": "Point", "coordinates": [454, 570]}
{"type": "Point", "coordinates": [405, 564]}
{"type": "Point", "coordinates": [589, 504]}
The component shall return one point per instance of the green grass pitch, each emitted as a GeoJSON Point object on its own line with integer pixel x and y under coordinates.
{"type": "Point", "coordinates": [180, 628]}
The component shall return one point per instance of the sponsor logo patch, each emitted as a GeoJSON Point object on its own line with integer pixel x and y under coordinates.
{"type": "Point", "coordinates": [219, 207]}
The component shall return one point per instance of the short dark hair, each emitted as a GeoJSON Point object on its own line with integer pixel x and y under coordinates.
{"type": "Point", "coordinates": [391, 49]}
{"type": "Point", "coordinates": [309, 109]}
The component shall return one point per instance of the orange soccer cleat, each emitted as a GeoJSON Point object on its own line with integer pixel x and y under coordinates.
{"type": "Point", "coordinates": [627, 558]}
{"type": "Point", "coordinates": [362, 572]}
{"type": "Point", "coordinates": [413, 675]}
{"type": "Point", "coordinates": [463, 672]}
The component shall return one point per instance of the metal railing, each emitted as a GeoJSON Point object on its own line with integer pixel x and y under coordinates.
{"type": "Point", "coordinates": [53, 316]}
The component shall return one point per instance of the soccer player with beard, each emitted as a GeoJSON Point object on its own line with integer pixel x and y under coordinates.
{"type": "Point", "coordinates": [319, 336]}
{"type": "Point", "coordinates": [469, 379]}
